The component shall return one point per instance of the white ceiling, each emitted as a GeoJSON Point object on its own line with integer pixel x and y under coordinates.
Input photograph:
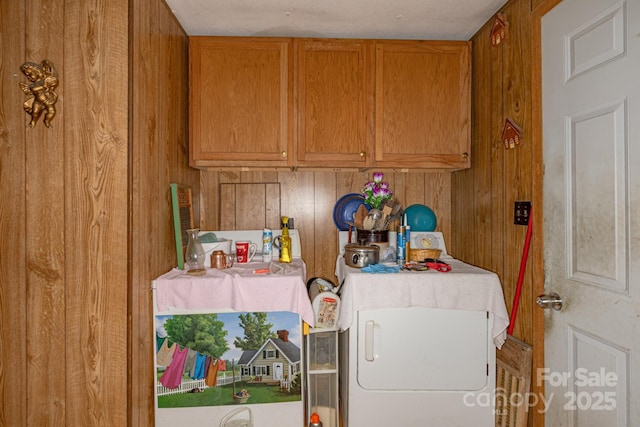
{"type": "Point", "coordinates": [373, 19]}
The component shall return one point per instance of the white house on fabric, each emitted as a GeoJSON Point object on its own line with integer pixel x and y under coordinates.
{"type": "Point", "coordinates": [277, 360]}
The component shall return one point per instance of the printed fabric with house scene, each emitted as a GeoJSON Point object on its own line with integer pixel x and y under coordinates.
{"type": "Point", "coordinates": [228, 358]}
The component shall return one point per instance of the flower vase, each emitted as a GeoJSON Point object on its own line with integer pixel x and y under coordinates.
{"type": "Point", "coordinates": [194, 254]}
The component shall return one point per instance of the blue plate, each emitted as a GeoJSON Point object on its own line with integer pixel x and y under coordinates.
{"type": "Point", "coordinates": [345, 209]}
{"type": "Point", "coordinates": [420, 218]}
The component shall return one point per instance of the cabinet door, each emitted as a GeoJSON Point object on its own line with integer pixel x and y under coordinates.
{"type": "Point", "coordinates": [423, 104]}
{"type": "Point", "coordinates": [334, 102]}
{"type": "Point", "coordinates": [241, 101]}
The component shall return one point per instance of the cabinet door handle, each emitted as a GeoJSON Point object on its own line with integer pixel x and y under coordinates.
{"type": "Point", "coordinates": [362, 154]}
{"type": "Point", "coordinates": [283, 154]}
{"type": "Point", "coordinates": [368, 340]}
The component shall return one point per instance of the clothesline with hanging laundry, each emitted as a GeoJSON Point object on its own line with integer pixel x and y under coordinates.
{"type": "Point", "coordinates": [185, 360]}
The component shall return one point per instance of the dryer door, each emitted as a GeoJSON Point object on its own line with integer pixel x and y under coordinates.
{"type": "Point", "coordinates": [423, 349]}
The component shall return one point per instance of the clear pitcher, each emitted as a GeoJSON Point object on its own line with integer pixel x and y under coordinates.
{"type": "Point", "coordinates": [194, 254]}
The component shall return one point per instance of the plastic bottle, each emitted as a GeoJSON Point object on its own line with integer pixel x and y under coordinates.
{"type": "Point", "coordinates": [407, 243]}
{"type": "Point", "coordinates": [267, 245]}
{"type": "Point", "coordinates": [314, 421]}
{"type": "Point", "coordinates": [402, 244]}
{"type": "Point", "coordinates": [407, 238]}
{"type": "Point", "coordinates": [285, 241]}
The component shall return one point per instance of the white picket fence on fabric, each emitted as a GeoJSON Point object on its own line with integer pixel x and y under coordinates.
{"type": "Point", "coordinates": [187, 386]}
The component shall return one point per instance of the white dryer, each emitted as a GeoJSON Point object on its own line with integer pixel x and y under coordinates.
{"type": "Point", "coordinates": [418, 366]}
{"type": "Point", "coordinates": [418, 347]}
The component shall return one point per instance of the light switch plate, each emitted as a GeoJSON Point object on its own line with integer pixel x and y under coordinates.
{"type": "Point", "coordinates": [521, 212]}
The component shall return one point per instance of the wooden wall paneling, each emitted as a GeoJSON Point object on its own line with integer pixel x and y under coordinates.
{"type": "Point", "coordinates": [462, 199]}
{"type": "Point", "coordinates": [518, 162]}
{"type": "Point", "coordinates": [159, 156]}
{"type": "Point", "coordinates": [297, 202]}
{"type": "Point", "coordinates": [487, 99]}
{"type": "Point", "coordinates": [399, 186]}
{"type": "Point", "coordinates": [520, 170]}
{"type": "Point", "coordinates": [463, 203]}
{"type": "Point", "coordinates": [44, 171]}
{"type": "Point", "coordinates": [226, 223]}
{"type": "Point", "coordinates": [91, 384]}
{"type": "Point", "coordinates": [430, 189]}
{"type": "Point", "coordinates": [471, 211]}
{"type": "Point", "coordinates": [13, 213]}
{"type": "Point", "coordinates": [151, 166]}
{"type": "Point", "coordinates": [272, 214]}
{"type": "Point", "coordinates": [209, 201]}
{"type": "Point", "coordinates": [227, 196]}
{"type": "Point", "coordinates": [325, 233]}
{"type": "Point", "coordinates": [397, 183]}
{"type": "Point", "coordinates": [174, 75]}
{"type": "Point", "coordinates": [501, 176]}
{"type": "Point", "coordinates": [535, 4]}
{"type": "Point", "coordinates": [352, 182]}
{"type": "Point", "coordinates": [250, 206]}
{"type": "Point", "coordinates": [496, 246]}
{"type": "Point", "coordinates": [145, 185]}
{"type": "Point", "coordinates": [438, 195]}
{"type": "Point", "coordinates": [176, 167]}
{"type": "Point", "coordinates": [437, 189]}
{"type": "Point", "coordinates": [97, 236]}
{"type": "Point", "coordinates": [96, 196]}
{"type": "Point", "coordinates": [165, 137]}
{"type": "Point", "coordinates": [414, 191]}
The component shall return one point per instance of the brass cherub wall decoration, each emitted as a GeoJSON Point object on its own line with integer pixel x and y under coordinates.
{"type": "Point", "coordinates": [43, 80]}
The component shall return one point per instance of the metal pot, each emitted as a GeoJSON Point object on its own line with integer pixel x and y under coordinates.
{"type": "Point", "coordinates": [360, 256]}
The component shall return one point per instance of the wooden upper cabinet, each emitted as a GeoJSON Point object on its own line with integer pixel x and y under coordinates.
{"type": "Point", "coordinates": [423, 104]}
{"type": "Point", "coordinates": [240, 102]}
{"type": "Point", "coordinates": [333, 102]}
{"type": "Point", "coordinates": [329, 103]}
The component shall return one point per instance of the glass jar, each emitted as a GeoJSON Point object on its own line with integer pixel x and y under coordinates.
{"type": "Point", "coordinates": [366, 237]}
{"type": "Point", "coordinates": [194, 254]}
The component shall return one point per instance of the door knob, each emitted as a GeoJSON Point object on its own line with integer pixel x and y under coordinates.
{"type": "Point", "coordinates": [552, 300]}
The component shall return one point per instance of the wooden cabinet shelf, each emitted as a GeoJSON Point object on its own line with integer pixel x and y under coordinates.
{"type": "Point", "coordinates": [423, 104]}
{"type": "Point", "coordinates": [336, 104]}
{"type": "Point", "coordinates": [333, 103]}
{"type": "Point", "coordinates": [240, 102]}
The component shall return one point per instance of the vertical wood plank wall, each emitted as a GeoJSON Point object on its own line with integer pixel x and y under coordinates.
{"type": "Point", "coordinates": [85, 207]}
{"type": "Point", "coordinates": [13, 258]}
{"type": "Point", "coordinates": [95, 182]}
{"type": "Point", "coordinates": [64, 300]}
{"type": "Point", "coordinates": [498, 177]}
{"type": "Point", "coordinates": [502, 87]}
{"type": "Point", "coordinates": [309, 198]}
{"type": "Point", "coordinates": [158, 109]}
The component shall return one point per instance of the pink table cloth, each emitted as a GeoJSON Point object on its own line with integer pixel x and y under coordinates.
{"type": "Point", "coordinates": [239, 289]}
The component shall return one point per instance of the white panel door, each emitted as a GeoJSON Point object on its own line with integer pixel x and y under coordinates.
{"type": "Point", "coordinates": [591, 132]}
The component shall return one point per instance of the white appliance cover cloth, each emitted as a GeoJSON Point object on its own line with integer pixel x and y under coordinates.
{"type": "Point", "coordinates": [239, 289]}
{"type": "Point", "coordinates": [465, 287]}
